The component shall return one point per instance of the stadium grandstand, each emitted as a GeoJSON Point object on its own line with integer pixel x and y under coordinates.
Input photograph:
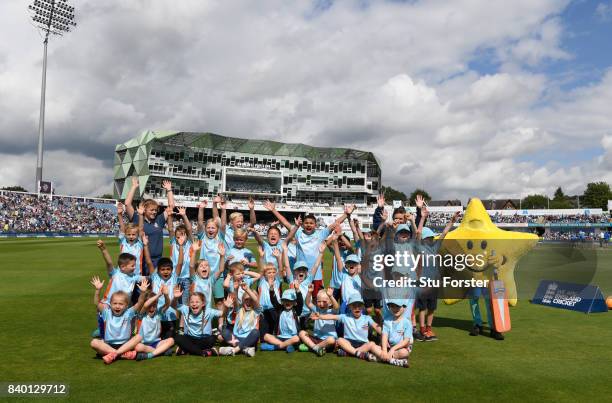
{"type": "Point", "coordinates": [204, 164]}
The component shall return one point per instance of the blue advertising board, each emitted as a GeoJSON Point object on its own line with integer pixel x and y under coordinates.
{"type": "Point", "coordinates": [575, 297]}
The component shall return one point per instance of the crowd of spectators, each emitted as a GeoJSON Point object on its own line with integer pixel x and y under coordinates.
{"type": "Point", "coordinates": [574, 236]}
{"type": "Point", "coordinates": [26, 213]}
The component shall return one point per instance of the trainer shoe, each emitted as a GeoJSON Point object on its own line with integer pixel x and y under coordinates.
{"type": "Point", "coordinates": [361, 355]}
{"type": "Point", "coordinates": [290, 348]}
{"type": "Point", "coordinates": [497, 335]}
{"type": "Point", "coordinates": [431, 336]}
{"type": "Point", "coordinates": [142, 356]}
{"type": "Point", "coordinates": [169, 352]}
{"type": "Point", "coordinates": [341, 353]}
{"type": "Point", "coordinates": [303, 348]}
{"type": "Point", "coordinates": [267, 347]}
{"type": "Point", "coordinates": [129, 355]}
{"type": "Point", "coordinates": [418, 336]}
{"type": "Point", "coordinates": [96, 333]}
{"type": "Point", "coordinates": [371, 357]}
{"type": "Point", "coordinates": [320, 351]}
{"type": "Point", "coordinates": [109, 358]}
{"type": "Point", "coordinates": [396, 362]}
{"type": "Point", "coordinates": [476, 330]}
{"type": "Point", "coordinates": [249, 351]}
{"type": "Point", "coordinates": [226, 351]}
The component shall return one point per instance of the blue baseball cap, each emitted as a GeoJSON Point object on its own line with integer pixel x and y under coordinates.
{"type": "Point", "coordinates": [403, 227]}
{"type": "Point", "coordinates": [355, 298]}
{"type": "Point", "coordinates": [396, 301]}
{"type": "Point", "coordinates": [300, 264]}
{"type": "Point", "coordinates": [289, 295]}
{"type": "Point", "coordinates": [427, 233]}
{"type": "Point", "coordinates": [353, 258]}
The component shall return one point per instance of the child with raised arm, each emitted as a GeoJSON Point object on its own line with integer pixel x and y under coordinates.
{"type": "Point", "coordinates": [284, 335]}
{"type": "Point", "coordinates": [197, 321]}
{"type": "Point", "coordinates": [180, 247]}
{"type": "Point", "coordinates": [302, 278]}
{"type": "Point", "coordinates": [356, 328]}
{"type": "Point", "coordinates": [117, 320]}
{"type": "Point", "coordinates": [324, 334]}
{"type": "Point", "coordinates": [236, 220]}
{"type": "Point", "coordinates": [427, 299]}
{"type": "Point", "coordinates": [239, 274]}
{"type": "Point", "coordinates": [130, 237]}
{"type": "Point", "coordinates": [153, 225]}
{"type": "Point", "coordinates": [150, 328]}
{"type": "Point", "coordinates": [202, 277]}
{"type": "Point", "coordinates": [243, 336]}
{"type": "Point", "coordinates": [309, 238]}
{"type": "Point", "coordinates": [209, 237]}
{"type": "Point", "coordinates": [122, 277]}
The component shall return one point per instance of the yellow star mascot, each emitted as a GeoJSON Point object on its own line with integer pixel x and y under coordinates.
{"type": "Point", "coordinates": [500, 250]}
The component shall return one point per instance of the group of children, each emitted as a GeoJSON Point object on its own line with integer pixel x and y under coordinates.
{"type": "Point", "coordinates": [212, 296]}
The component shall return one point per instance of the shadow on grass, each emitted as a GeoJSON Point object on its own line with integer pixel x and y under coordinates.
{"type": "Point", "coordinates": [461, 324]}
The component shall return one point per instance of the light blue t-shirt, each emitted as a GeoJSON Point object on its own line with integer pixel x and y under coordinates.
{"type": "Point", "coordinates": [287, 327]}
{"type": "Point", "coordinates": [264, 293]}
{"type": "Point", "coordinates": [210, 251]}
{"type": "Point", "coordinates": [292, 254]}
{"type": "Point", "coordinates": [304, 290]}
{"type": "Point", "coordinates": [398, 330]}
{"type": "Point", "coordinates": [269, 257]}
{"type": "Point", "coordinates": [308, 248]}
{"type": "Point", "coordinates": [120, 281]}
{"type": "Point", "coordinates": [248, 324]}
{"type": "Point", "coordinates": [118, 328]}
{"type": "Point", "coordinates": [174, 253]}
{"type": "Point", "coordinates": [356, 329]}
{"type": "Point", "coordinates": [135, 249]}
{"type": "Point", "coordinates": [205, 286]}
{"type": "Point", "coordinates": [324, 328]}
{"type": "Point", "coordinates": [150, 327]}
{"type": "Point", "coordinates": [157, 281]}
{"type": "Point", "coordinates": [239, 294]}
{"type": "Point", "coordinates": [199, 325]}
{"type": "Point", "coordinates": [338, 275]}
{"type": "Point", "coordinates": [228, 237]}
{"type": "Point", "coordinates": [239, 254]}
{"type": "Point", "coordinates": [350, 285]}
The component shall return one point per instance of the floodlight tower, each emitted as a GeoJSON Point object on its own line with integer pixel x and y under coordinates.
{"type": "Point", "coordinates": [51, 17]}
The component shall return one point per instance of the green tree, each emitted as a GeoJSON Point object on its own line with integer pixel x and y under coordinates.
{"type": "Point", "coordinates": [421, 192]}
{"type": "Point", "coordinates": [560, 200]}
{"type": "Point", "coordinates": [393, 194]}
{"type": "Point", "coordinates": [106, 196]}
{"type": "Point", "coordinates": [596, 195]}
{"type": "Point", "coordinates": [535, 202]}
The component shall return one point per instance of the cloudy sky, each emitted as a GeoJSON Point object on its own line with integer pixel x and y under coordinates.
{"type": "Point", "coordinates": [462, 98]}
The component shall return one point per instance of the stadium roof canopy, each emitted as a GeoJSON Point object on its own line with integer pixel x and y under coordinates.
{"type": "Point", "coordinates": [250, 146]}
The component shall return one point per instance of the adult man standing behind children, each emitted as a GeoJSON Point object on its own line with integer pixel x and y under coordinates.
{"type": "Point", "coordinates": [153, 222]}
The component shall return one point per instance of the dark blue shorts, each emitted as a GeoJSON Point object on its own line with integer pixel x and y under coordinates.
{"type": "Point", "coordinates": [355, 343]}
{"type": "Point", "coordinates": [153, 345]}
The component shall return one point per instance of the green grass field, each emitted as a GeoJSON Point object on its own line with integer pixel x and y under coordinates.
{"type": "Point", "coordinates": [48, 315]}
